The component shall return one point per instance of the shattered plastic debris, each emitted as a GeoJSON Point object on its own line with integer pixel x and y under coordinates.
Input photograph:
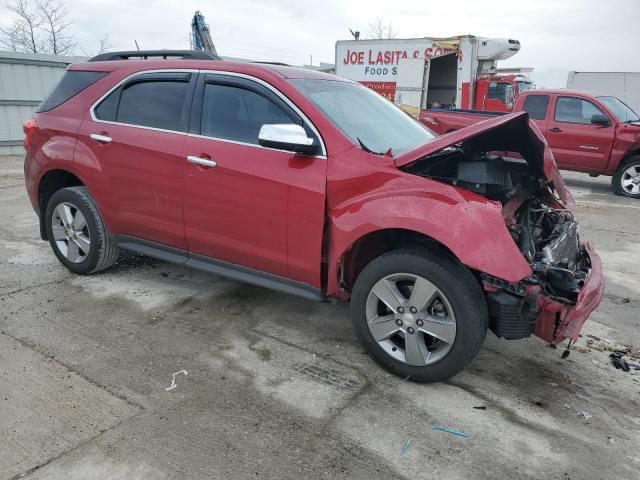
{"type": "Point", "coordinates": [604, 345]}
{"type": "Point", "coordinates": [452, 431]}
{"type": "Point", "coordinates": [585, 415]}
{"type": "Point", "coordinates": [582, 349]}
{"type": "Point", "coordinates": [406, 447]}
{"type": "Point", "coordinates": [173, 380]}
{"type": "Point", "coordinates": [618, 361]}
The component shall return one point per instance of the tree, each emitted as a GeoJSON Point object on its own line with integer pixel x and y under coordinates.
{"type": "Point", "coordinates": [380, 29]}
{"type": "Point", "coordinates": [56, 27]}
{"type": "Point", "coordinates": [40, 27]}
{"type": "Point", "coordinates": [23, 35]}
{"type": "Point", "coordinates": [104, 45]}
{"type": "Point", "coordinates": [10, 37]}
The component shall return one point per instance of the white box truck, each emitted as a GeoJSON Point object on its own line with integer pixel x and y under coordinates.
{"type": "Point", "coordinates": [624, 85]}
{"type": "Point", "coordinates": [421, 73]}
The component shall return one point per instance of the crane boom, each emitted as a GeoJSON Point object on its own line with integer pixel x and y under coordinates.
{"type": "Point", "coordinates": [200, 34]}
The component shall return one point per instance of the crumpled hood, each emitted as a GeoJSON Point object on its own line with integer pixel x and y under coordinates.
{"type": "Point", "coordinates": [505, 133]}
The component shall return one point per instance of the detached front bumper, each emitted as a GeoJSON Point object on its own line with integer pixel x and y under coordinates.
{"type": "Point", "coordinates": [558, 321]}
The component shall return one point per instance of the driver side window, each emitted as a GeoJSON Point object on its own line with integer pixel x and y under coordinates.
{"type": "Point", "coordinates": [237, 114]}
{"type": "Point", "coordinates": [575, 110]}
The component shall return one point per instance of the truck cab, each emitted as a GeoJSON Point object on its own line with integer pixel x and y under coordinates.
{"type": "Point", "coordinates": [497, 92]}
{"type": "Point", "coordinates": [586, 131]}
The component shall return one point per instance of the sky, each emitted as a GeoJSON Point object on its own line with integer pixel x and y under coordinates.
{"type": "Point", "coordinates": [556, 36]}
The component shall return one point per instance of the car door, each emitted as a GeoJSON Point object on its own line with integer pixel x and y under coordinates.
{"type": "Point", "coordinates": [135, 135]}
{"type": "Point", "coordinates": [576, 143]}
{"type": "Point", "coordinates": [246, 204]}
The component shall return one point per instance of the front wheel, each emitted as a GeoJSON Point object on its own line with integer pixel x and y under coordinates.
{"type": "Point", "coordinates": [420, 315]}
{"type": "Point", "coordinates": [626, 180]}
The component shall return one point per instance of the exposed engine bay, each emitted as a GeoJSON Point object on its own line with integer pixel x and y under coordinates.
{"type": "Point", "coordinates": [543, 229]}
{"type": "Point", "coordinates": [492, 176]}
{"type": "Point", "coordinates": [548, 238]}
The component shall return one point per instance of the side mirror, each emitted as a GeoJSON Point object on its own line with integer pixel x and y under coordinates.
{"type": "Point", "coordinates": [285, 136]}
{"type": "Point", "coordinates": [601, 120]}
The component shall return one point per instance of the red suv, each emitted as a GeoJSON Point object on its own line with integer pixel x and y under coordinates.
{"type": "Point", "coordinates": [316, 186]}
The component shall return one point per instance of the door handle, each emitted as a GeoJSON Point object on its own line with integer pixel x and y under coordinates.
{"type": "Point", "coordinates": [201, 161]}
{"type": "Point", "coordinates": [100, 138]}
{"type": "Point", "coordinates": [555, 130]}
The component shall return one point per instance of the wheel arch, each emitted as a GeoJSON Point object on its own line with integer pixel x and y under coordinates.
{"type": "Point", "coordinates": [376, 242]}
{"type": "Point", "coordinates": [632, 152]}
{"type": "Point", "coordinates": [50, 182]}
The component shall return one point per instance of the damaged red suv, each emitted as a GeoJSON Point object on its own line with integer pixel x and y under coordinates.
{"type": "Point", "coordinates": [315, 186]}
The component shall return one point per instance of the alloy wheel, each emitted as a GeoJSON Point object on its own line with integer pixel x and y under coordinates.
{"type": "Point", "coordinates": [70, 232]}
{"type": "Point", "coordinates": [630, 180]}
{"type": "Point", "coordinates": [410, 319]}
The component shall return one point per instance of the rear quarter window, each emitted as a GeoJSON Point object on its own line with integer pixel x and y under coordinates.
{"type": "Point", "coordinates": [71, 83]}
{"type": "Point", "coordinates": [536, 106]}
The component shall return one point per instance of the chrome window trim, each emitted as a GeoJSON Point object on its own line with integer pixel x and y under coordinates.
{"type": "Point", "coordinates": [283, 97]}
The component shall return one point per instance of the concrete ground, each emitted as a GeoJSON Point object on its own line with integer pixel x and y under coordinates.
{"type": "Point", "coordinates": [277, 387]}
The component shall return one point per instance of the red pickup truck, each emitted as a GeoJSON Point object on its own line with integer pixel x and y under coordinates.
{"type": "Point", "coordinates": [587, 132]}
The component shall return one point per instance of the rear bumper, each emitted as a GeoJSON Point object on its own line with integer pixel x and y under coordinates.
{"type": "Point", "coordinates": [558, 321]}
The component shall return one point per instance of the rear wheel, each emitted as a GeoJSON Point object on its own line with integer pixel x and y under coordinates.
{"type": "Point", "coordinates": [77, 233]}
{"type": "Point", "coordinates": [626, 180]}
{"type": "Point", "coordinates": [419, 315]}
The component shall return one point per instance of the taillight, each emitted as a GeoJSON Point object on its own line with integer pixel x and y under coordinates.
{"type": "Point", "coordinates": [29, 127]}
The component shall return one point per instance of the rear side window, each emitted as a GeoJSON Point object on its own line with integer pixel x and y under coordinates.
{"type": "Point", "coordinates": [235, 113]}
{"type": "Point", "coordinates": [150, 100]}
{"type": "Point", "coordinates": [71, 83]}
{"type": "Point", "coordinates": [153, 104]}
{"type": "Point", "coordinates": [536, 106]}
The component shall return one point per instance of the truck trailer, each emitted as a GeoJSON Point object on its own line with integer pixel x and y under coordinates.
{"type": "Point", "coordinates": [624, 85]}
{"type": "Point", "coordinates": [424, 73]}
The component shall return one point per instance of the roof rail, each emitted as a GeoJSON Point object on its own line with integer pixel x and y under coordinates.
{"type": "Point", "coordinates": [146, 54]}
{"type": "Point", "coordinates": [273, 63]}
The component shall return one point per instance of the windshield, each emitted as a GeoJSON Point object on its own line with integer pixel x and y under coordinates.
{"type": "Point", "coordinates": [524, 86]}
{"type": "Point", "coordinates": [619, 109]}
{"type": "Point", "coordinates": [364, 116]}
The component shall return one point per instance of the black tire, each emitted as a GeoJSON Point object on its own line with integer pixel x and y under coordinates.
{"type": "Point", "coordinates": [616, 181]}
{"type": "Point", "coordinates": [456, 283]}
{"type": "Point", "coordinates": [103, 251]}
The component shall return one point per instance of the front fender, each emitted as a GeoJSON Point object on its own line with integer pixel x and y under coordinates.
{"type": "Point", "coordinates": [469, 225]}
{"type": "Point", "coordinates": [627, 141]}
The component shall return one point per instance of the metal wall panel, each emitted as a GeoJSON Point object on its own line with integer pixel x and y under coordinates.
{"type": "Point", "coordinates": [27, 82]}
{"type": "Point", "coordinates": [25, 79]}
{"type": "Point", "coordinates": [11, 119]}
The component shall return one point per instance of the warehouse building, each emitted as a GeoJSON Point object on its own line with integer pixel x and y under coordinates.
{"type": "Point", "coordinates": [25, 79]}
